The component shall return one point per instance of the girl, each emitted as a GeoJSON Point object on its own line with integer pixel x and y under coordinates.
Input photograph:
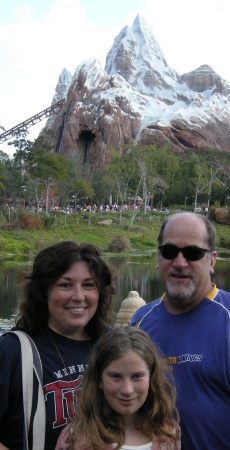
{"type": "Point", "coordinates": [128, 400]}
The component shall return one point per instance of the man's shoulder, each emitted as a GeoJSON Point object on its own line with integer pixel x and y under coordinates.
{"type": "Point", "coordinates": [223, 298]}
{"type": "Point", "coordinates": [143, 310]}
{"type": "Point", "coordinates": [224, 294]}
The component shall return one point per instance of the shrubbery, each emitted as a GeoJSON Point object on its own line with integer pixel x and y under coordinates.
{"type": "Point", "coordinates": [119, 244]}
{"type": "Point", "coordinates": [118, 239]}
{"type": "Point", "coordinates": [224, 241]}
{"type": "Point", "coordinates": [48, 221]}
{"type": "Point", "coordinates": [30, 222]}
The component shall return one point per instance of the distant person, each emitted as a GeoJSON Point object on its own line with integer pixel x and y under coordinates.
{"type": "Point", "coordinates": [191, 325]}
{"type": "Point", "coordinates": [65, 309]}
{"type": "Point", "coordinates": [128, 401]}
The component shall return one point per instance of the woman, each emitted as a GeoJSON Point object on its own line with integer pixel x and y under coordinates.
{"type": "Point", "coordinates": [65, 308]}
{"type": "Point", "coordinates": [128, 400]}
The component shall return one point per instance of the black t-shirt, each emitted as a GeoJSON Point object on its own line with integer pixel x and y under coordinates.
{"type": "Point", "coordinates": [60, 391]}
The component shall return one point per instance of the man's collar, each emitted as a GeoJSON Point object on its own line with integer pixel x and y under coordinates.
{"type": "Point", "coordinates": [210, 295]}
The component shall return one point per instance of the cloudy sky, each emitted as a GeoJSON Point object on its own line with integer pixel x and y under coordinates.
{"type": "Point", "coordinates": [38, 38]}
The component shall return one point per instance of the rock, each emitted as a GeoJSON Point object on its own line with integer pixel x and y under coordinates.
{"type": "Point", "coordinates": [128, 308]}
{"type": "Point", "coordinates": [220, 215]}
{"type": "Point", "coordinates": [105, 223]}
{"type": "Point", "coordinates": [205, 78]}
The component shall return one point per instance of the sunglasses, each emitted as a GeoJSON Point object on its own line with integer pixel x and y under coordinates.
{"type": "Point", "coordinates": [191, 253]}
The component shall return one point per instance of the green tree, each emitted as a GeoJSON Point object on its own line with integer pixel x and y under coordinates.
{"type": "Point", "coordinates": [48, 168]}
{"type": "Point", "coordinates": [78, 184]}
{"type": "Point", "coordinates": [80, 189]}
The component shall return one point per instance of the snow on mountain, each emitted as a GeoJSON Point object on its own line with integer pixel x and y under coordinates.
{"type": "Point", "coordinates": [61, 91]}
{"type": "Point", "coordinates": [139, 98]}
{"type": "Point", "coordinates": [92, 74]}
{"type": "Point", "coordinates": [63, 85]}
{"type": "Point", "coordinates": [137, 57]}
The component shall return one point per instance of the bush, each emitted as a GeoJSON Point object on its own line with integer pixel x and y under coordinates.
{"type": "Point", "coordinates": [224, 241]}
{"type": "Point", "coordinates": [2, 219]}
{"type": "Point", "coordinates": [48, 221]}
{"type": "Point", "coordinates": [119, 244]}
{"type": "Point", "coordinates": [30, 222]}
{"type": "Point", "coordinates": [10, 226]}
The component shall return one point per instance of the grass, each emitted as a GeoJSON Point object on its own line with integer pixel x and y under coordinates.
{"type": "Point", "coordinates": [24, 244]}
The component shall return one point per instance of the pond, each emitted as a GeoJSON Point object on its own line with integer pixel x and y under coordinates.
{"type": "Point", "coordinates": [133, 274]}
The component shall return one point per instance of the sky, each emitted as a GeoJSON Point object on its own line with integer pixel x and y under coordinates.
{"type": "Point", "coordinates": [38, 38]}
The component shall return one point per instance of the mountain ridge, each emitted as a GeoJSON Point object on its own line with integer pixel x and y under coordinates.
{"type": "Point", "coordinates": [138, 99]}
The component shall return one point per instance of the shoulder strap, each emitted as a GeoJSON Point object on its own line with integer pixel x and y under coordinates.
{"type": "Point", "coordinates": [31, 363]}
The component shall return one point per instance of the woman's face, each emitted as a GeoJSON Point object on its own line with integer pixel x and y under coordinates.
{"type": "Point", "coordinates": [73, 301]}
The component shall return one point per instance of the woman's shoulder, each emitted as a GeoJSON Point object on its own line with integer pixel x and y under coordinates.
{"type": "Point", "coordinates": [9, 344]}
{"type": "Point", "coordinates": [10, 358]}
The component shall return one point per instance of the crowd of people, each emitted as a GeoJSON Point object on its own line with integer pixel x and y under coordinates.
{"type": "Point", "coordinates": [163, 382]}
{"type": "Point", "coordinates": [94, 208]}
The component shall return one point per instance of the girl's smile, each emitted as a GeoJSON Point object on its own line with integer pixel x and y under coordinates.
{"type": "Point", "coordinates": [125, 383]}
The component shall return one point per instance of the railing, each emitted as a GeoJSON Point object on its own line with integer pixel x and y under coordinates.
{"type": "Point", "coordinates": [55, 108]}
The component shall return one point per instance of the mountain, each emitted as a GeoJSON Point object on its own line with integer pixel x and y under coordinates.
{"type": "Point", "coordinates": [138, 99]}
{"type": "Point", "coordinates": [61, 91]}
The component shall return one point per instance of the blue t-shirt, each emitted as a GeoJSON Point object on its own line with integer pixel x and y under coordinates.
{"type": "Point", "coordinates": [196, 346]}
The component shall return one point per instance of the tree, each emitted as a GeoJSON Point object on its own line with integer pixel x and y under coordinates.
{"type": "Point", "coordinates": [80, 188]}
{"type": "Point", "coordinates": [207, 171]}
{"type": "Point", "coordinates": [18, 167]}
{"type": "Point", "coordinates": [4, 161]}
{"type": "Point", "coordinates": [78, 183]}
{"type": "Point", "coordinates": [48, 168]}
{"type": "Point", "coordinates": [118, 177]}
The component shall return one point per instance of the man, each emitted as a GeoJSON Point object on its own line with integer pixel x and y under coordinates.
{"type": "Point", "coordinates": [191, 325]}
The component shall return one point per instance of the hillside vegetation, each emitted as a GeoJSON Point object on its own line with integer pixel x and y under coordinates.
{"type": "Point", "coordinates": [28, 233]}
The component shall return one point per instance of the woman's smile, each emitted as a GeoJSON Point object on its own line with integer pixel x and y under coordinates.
{"type": "Point", "coordinates": [73, 301]}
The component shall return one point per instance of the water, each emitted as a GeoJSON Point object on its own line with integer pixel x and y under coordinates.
{"type": "Point", "coordinates": [133, 274]}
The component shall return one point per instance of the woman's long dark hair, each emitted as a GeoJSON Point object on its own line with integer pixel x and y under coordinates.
{"type": "Point", "coordinates": [49, 265]}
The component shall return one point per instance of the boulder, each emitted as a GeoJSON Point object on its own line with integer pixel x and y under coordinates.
{"type": "Point", "coordinates": [219, 215]}
{"type": "Point", "coordinates": [105, 223]}
{"type": "Point", "coordinates": [222, 216]}
{"type": "Point", "coordinates": [128, 307]}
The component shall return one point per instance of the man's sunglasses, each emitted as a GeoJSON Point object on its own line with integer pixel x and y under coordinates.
{"type": "Point", "coordinates": [191, 253]}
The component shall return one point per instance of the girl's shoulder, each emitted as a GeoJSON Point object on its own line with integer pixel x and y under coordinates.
{"type": "Point", "coordinates": [61, 444]}
{"type": "Point", "coordinates": [171, 444]}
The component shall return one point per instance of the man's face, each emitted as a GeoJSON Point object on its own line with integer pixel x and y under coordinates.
{"type": "Point", "coordinates": [186, 282]}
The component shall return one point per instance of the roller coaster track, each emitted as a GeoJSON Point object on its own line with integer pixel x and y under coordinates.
{"type": "Point", "coordinates": [53, 109]}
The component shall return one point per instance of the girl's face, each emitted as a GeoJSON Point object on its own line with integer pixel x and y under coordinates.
{"type": "Point", "coordinates": [125, 383]}
{"type": "Point", "coordinates": [72, 301]}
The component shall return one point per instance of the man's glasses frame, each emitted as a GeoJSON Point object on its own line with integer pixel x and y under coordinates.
{"type": "Point", "coordinates": [191, 252]}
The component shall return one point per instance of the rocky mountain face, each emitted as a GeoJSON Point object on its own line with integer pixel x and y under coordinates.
{"type": "Point", "coordinates": [61, 91]}
{"type": "Point", "coordinates": [138, 99]}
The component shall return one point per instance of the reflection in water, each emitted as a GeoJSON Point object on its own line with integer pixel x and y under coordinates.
{"type": "Point", "coordinates": [136, 274]}
{"type": "Point", "coordinates": [9, 291]}
{"type": "Point", "coordinates": [132, 274]}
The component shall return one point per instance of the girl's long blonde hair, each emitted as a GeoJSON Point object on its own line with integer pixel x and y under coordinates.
{"type": "Point", "coordinates": [96, 425]}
